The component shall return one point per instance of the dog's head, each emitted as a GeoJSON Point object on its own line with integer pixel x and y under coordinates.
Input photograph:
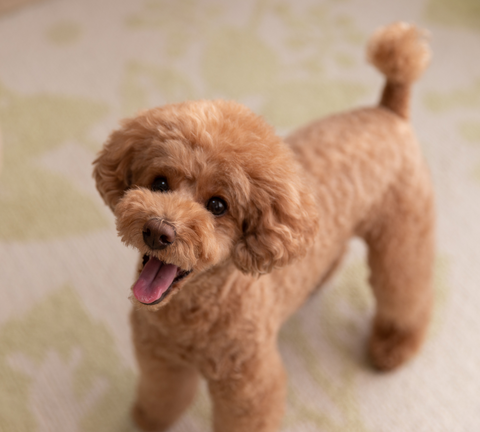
{"type": "Point", "coordinates": [196, 184]}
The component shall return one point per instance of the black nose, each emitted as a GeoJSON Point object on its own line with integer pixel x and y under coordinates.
{"type": "Point", "coordinates": [158, 234]}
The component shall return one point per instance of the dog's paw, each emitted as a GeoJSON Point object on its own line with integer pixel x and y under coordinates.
{"type": "Point", "coordinates": [145, 422]}
{"type": "Point", "coordinates": [390, 346]}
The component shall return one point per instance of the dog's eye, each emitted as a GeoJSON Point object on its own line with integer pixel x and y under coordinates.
{"type": "Point", "coordinates": [216, 206]}
{"type": "Point", "coordinates": [160, 184]}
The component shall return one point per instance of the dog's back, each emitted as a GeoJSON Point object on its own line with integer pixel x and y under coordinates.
{"type": "Point", "coordinates": [370, 180]}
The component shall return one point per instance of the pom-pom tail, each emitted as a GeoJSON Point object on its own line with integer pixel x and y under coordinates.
{"type": "Point", "coordinates": [401, 52]}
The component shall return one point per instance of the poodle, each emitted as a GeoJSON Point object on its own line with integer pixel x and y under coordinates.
{"type": "Point", "coordinates": [236, 228]}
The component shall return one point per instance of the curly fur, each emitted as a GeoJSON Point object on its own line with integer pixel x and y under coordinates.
{"type": "Point", "coordinates": [400, 51]}
{"type": "Point", "coordinates": [292, 206]}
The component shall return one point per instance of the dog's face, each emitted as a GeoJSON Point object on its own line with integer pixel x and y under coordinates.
{"type": "Point", "coordinates": [196, 184]}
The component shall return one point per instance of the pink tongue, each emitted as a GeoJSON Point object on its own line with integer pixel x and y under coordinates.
{"type": "Point", "coordinates": [154, 280]}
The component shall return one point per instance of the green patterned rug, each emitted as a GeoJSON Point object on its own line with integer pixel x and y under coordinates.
{"type": "Point", "coordinates": [70, 69]}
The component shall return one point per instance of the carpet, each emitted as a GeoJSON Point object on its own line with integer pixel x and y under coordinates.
{"type": "Point", "coordinates": [71, 69]}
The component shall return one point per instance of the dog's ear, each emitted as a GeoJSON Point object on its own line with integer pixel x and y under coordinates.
{"type": "Point", "coordinates": [282, 224]}
{"type": "Point", "coordinates": [112, 167]}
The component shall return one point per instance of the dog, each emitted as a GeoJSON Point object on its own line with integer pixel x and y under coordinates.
{"type": "Point", "coordinates": [236, 227]}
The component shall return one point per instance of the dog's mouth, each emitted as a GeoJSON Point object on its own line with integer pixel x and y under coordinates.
{"type": "Point", "coordinates": [156, 280]}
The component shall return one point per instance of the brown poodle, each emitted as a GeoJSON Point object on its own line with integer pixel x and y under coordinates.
{"type": "Point", "coordinates": [212, 199]}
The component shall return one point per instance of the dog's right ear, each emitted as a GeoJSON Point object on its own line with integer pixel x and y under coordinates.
{"type": "Point", "coordinates": [112, 167]}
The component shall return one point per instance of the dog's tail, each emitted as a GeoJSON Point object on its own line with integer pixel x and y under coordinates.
{"type": "Point", "coordinates": [401, 52]}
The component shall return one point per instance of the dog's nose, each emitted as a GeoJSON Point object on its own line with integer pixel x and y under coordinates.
{"type": "Point", "coordinates": [158, 234]}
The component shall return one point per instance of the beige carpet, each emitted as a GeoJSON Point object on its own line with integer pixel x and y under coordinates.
{"type": "Point", "coordinates": [70, 69]}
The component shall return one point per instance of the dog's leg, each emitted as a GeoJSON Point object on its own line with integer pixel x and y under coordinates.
{"type": "Point", "coordinates": [252, 401]}
{"type": "Point", "coordinates": [164, 392]}
{"type": "Point", "coordinates": [401, 261]}
{"type": "Point", "coordinates": [165, 388]}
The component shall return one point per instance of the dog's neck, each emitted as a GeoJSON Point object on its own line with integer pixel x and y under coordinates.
{"type": "Point", "coordinates": [205, 294]}
{"type": "Point", "coordinates": [213, 285]}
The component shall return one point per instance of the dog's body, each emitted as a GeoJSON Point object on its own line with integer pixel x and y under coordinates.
{"type": "Point", "coordinates": [359, 173]}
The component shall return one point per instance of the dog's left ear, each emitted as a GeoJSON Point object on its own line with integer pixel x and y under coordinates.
{"type": "Point", "coordinates": [282, 224]}
{"type": "Point", "coordinates": [112, 167]}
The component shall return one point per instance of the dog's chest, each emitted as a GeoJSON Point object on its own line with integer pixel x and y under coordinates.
{"type": "Point", "coordinates": [216, 337]}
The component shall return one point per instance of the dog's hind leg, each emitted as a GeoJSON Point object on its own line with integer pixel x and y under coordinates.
{"type": "Point", "coordinates": [165, 388]}
{"type": "Point", "coordinates": [401, 243]}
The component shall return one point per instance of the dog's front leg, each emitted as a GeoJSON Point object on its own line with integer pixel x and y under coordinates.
{"type": "Point", "coordinates": [252, 400]}
{"type": "Point", "coordinates": [166, 387]}
{"type": "Point", "coordinates": [164, 392]}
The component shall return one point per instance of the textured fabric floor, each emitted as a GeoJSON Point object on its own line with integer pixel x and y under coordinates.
{"type": "Point", "coordinates": [70, 69]}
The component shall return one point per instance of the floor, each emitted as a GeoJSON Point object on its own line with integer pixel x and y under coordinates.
{"type": "Point", "coordinates": [71, 69]}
